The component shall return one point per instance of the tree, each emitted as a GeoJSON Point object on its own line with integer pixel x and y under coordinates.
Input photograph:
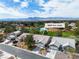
{"type": "Point", "coordinates": [39, 24]}
{"type": "Point", "coordinates": [1, 38]}
{"type": "Point", "coordinates": [77, 32]}
{"type": "Point", "coordinates": [35, 31]}
{"type": "Point", "coordinates": [9, 29]}
{"type": "Point", "coordinates": [77, 29]}
{"type": "Point", "coordinates": [30, 42]}
{"type": "Point", "coordinates": [26, 30]}
{"type": "Point", "coordinates": [66, 25]}
{"type": "Point", "coordinates": [45, 32]}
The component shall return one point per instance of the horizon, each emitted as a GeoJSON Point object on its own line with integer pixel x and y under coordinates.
{"type": "Point", "coordinates": [36, 19]}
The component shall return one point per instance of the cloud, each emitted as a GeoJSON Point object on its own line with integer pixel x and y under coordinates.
{"type": "Point", "coordinates": [24, 4]}
{"type": "Point", "coordinates": [6, 12]}
{"type": "Point", "coordinates": [70, 10]}
{"type": "Point", "coordinates": [59, 8]}
{"type": "Point", "coordinates": [51, 8]}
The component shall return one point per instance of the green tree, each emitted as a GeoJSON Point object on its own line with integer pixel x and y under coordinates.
{"type": "Point", "coordinates": [39, 24]}
{"type": "Point", "coordinates": [66, 26]}
{"type": "Point", "coordinates": [35, 31]}
{"type": "Point", "coordinates": [45, 32]}
{"type": "Point", "coordinates": [9, 29]}
{"type": "Point", "coordinates": [26, 30]}
{"type": "Point", "coordinates": [1, 38]}
{"type": "Point", "coordinates": [77, 29]}
{"type": "Point", "coordinates": [77, 32]}
{"type": "Point", "coordinates": [30, 42]}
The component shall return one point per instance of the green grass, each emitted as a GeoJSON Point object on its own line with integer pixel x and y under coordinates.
{"type": "Point", "coordinates": [51, 33]}
{"type": "Point", "coordinates": [67, 34]}
{"type": "Point", "coordinates": [64, 34]}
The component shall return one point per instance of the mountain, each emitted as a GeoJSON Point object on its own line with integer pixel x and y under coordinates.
{"type": "Point", "coordinates": [38, 19]}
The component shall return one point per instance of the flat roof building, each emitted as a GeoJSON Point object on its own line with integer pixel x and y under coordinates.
{"type": "Point", "coordinates": [54, 25]}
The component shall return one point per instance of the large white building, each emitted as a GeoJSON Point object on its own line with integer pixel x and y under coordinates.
{"type": "Point", "coordinates": [54, 25]}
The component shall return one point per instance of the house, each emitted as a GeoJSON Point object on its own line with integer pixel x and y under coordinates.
{"type": "Point", "coordinates": [11, 37]}
{"type": "Point", "coordinates": [72, 25]}
{"type": "Point", "coordinates": [21, 37]}
{"type": "Point", "coordinates": [54, 26]}
{"type": "Point", "coordinates": [41, 40]}
{"type": "Point", "coordinates": [17, 33]}
{"type": "Point", "coordinates": [65, 42]}
{"type": "Point", "coordinates": [14, 35]}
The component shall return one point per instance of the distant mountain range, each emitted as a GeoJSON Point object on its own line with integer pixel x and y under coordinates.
{"type": "Point", "coordinates": [39, 19]}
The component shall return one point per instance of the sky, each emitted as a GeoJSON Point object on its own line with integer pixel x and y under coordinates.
{"type": "Point", "coordinates": [39, 8]}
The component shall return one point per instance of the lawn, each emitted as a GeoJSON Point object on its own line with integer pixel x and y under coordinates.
{"type": "Point", "coordinates": [68, 34]}
{"type": "Point", "coordinates": [63, 34]}
{"type": "Point", "coordinates": [51, 33]}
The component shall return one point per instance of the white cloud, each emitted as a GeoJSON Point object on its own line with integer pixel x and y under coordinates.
{"type": "Point", "coordinates": [71, 10]}
{"type": "Point", "coordinates": [6, 12]}
{"type": "Point", "coordinates": [24, 4]}
{"type": "Point", "coordinates": [53, 8]}
{"type": "Point", "coordinates": [60, 9]}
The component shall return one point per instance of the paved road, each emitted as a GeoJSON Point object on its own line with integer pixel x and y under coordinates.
{"type": "Point", "coordinates": [20, 53]}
